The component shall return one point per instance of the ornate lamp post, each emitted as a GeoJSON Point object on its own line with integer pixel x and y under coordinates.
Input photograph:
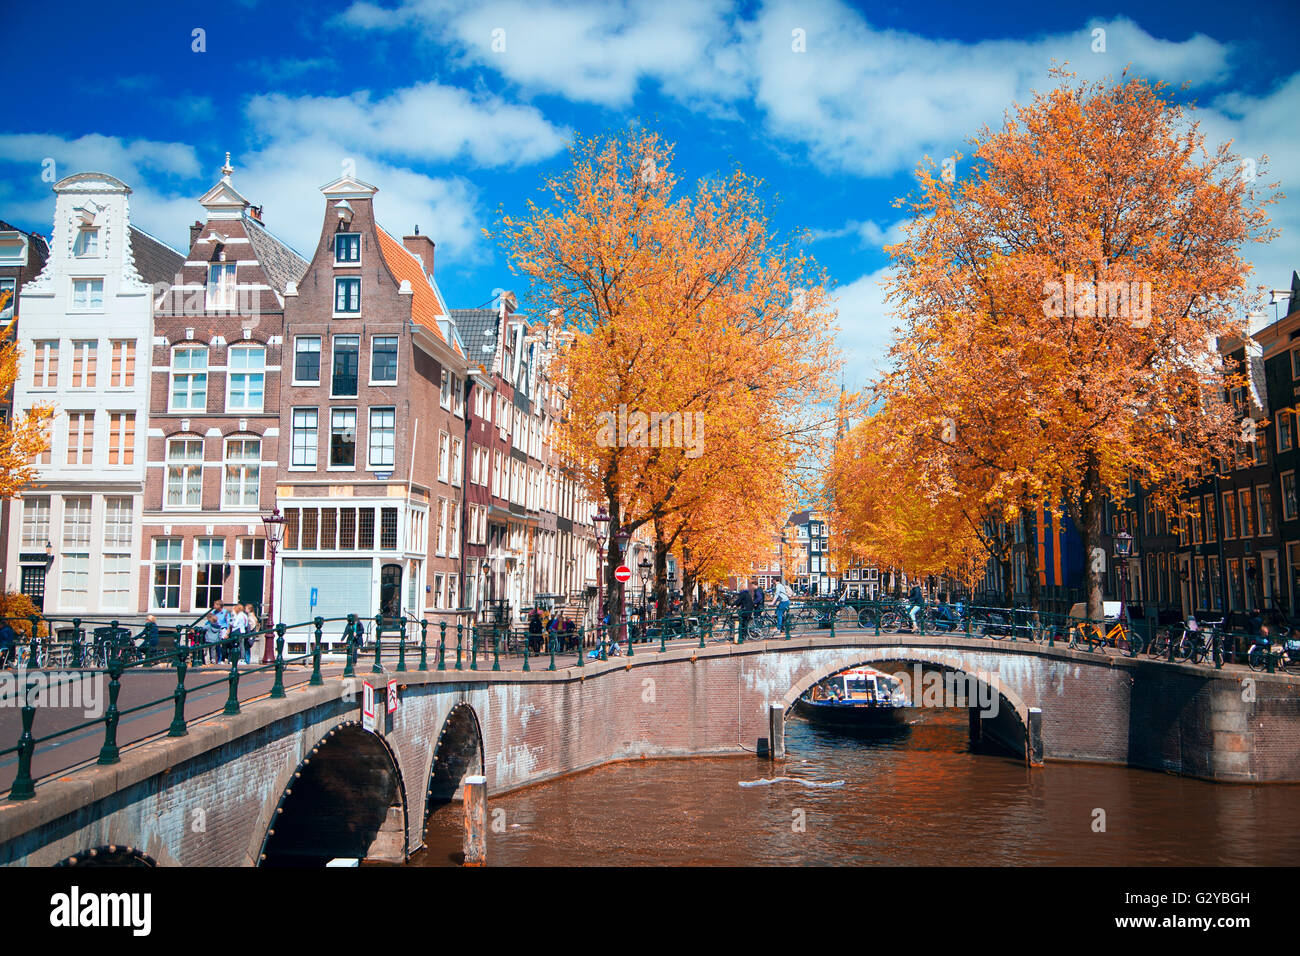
{"type": "Point", "coordinates": [274, 525]}
{"type": "Point", "coordinates": [622, 539]}
{"type": "Point", "coordinates": [600, 521]}
{"type": "Point", "coordinates": [644, 567]}
{"type": "Point", "coordinates": [1123, 551]}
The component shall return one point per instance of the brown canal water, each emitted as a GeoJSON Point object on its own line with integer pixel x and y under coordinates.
{"type": "Point", "coordinates": [919, 797]}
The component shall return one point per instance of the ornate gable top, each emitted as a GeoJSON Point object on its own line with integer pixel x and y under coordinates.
{"type": "Point", "coordinates": [349, 187]}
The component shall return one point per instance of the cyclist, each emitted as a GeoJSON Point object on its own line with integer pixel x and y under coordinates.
{"type": "Point", "coordinates": [916, 604]}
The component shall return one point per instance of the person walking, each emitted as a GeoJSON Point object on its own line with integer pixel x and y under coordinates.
{"type": "Point", "coordinates": [916, 603]}
{"type": "Point", "coordinates": [534, 631]}
{"type": "Point", "coordinates": [782, 597]}
{"type": "Point", "coordinates": [238, 633]}
{"type": "Point", "coordinates": [744, 603]}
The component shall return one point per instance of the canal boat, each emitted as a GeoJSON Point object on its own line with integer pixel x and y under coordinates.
{"type": "Point", "coordinates": [858, 697]}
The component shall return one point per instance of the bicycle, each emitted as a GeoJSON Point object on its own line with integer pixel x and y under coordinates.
{"type": "Point", "coordinates": [1117, 636]}
{"type": "Point", "coordinates": [1197, 644]}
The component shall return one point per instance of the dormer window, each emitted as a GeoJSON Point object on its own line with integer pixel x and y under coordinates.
{"type": "Point", "coordinates": [221, 285]}
{"type": "Point", "coordinates": [347, 248]}
{"type": "Point", "coordinates": [87, 243]}
{"type": "Point", "coordinates": [88, 294]}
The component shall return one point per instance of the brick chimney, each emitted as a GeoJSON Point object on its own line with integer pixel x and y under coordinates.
{"type": "Point", "coordinates": [422, 247]}
{"type": "Point", "coordinates": [194, 231]}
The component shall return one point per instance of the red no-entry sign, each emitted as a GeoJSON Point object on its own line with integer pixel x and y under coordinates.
{"type": "Point", "coordinates": [623, 573]}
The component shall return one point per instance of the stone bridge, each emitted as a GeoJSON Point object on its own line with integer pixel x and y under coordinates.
{"type": "Point", "coordinates": [297, 780]}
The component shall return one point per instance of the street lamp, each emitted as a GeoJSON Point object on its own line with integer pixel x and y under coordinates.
{"type": "Point", "coordinates": [600, 521]}
{"type": "Point", "coordinates": [274, 525]}
{"type": "Point", "coordinates": [622, 538]}
{"type": "Point", "coordinates": [644, 567]}
{"type": "Point", "coordinates": [671, 575]}
{"type": "Point", "coordinates": [1123, 551]}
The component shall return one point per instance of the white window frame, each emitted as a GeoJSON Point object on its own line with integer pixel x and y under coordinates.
{"type": "Point", "coordinates": [342, 410]}
{"type": "Point", "coordinates": [374, 339]}
{"type": "Point", "coordinates": [239, 469]}
{"type": "Point", "coordinates": [349, 313]}
{"type": "Point", "coordinates": [373, 430]}
{"type": "Point", "coordinates": [347, 262]}
{"type": "Point", "coordinates": [190, 374]}
{"type": "Point", "coordinates": [88, 302]}
{"type": "Point", "coordinates": [297, 350]}
{"type": "Point", "coordinates": [221, 292]}
{"type": "Point", "coordinates": [313, 447]}
{"type": "Point", "coordinates": [186, 465]}
{"type": "Point", "coordinates": [246, 374]}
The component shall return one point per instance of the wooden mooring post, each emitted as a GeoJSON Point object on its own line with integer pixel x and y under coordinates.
{"type": "Point", "coordinates": [475, 800]}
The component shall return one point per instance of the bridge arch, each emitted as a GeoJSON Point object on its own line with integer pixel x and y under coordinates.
{"type": "Point", "coordinates": [110, 855]}
{"type": "Point", "coordinates": [457, 754]}
{"type": "Point", "coordinates": [933, 657]}
{"type": "Point", "coordinates": [346, 799]}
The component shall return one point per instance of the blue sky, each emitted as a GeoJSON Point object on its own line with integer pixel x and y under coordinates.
{"type": "Point", "coordinates": [451, 130]}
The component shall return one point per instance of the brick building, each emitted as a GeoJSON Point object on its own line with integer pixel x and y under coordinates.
{"type": "Point", "coordinates": [373, 444]}
{"type": "Point", "coordinates": [214, 412]}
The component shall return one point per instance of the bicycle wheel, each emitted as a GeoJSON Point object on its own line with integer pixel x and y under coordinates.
{"type": "Point", "coordinates": [845, 616]}
{"type": "Point", "coordinates": [867, 618]}
{"type": "Point", "coordinates": [1184, 646]}
{"type": "Point", "coordinates": [1159, 644]}
{"type": "Point", "coordinates": [891, 621]}
{"type": "Point", "coordinates": [1255, 658]}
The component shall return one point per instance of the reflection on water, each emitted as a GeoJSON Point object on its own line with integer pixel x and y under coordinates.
{"type": "Point", "coordinates": [918, 797]}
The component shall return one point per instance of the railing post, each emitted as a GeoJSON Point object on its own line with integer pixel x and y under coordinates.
{"type": "Point", "coordinates": [277, 689]}
{"type": "Point", "coordinates": [458, 645]}
{"type": "Point", "coordinates": [349, 668]}
{"type": "Point", "coordinates": [424, 644]}
{"type": "Point", "coordinates": [232, 702]}
{"type": "Point", "coordinates": [473, 651]}
{"type": "Point", "coordinates": [24, 787]}
{"type": "Point", "coordinates": [708, 628]}
{"type": "Point", "coordinates": [76, 642]}
{"type": "Point", "coordinates": [582, 645]}
{"type": "Point", "coordinates": [442, 645]}
{"type": "Point", "coordinates": [109, 752]}
{"type": "Point", "coordinates": [378, 667]}
{"type": "Point", "coordinates": [551, 641]}
{"type": "Point", "coordinates": [527, 648]}
{"type": "Point", "coordinates": [834, 614]}
{"type": "Point", "coordinates": [316, 679]}
{"type": "Point", "coordinates": [1218, 650]}
{"type": "Point", "coordinates": [34, 647]}
{"type": "Point", "coordinates": [496, 647]}
{"type": "Point", "coordinates": [663, 634]}
{"type": "Point", "coordinates": [177, 729]}
{"type": "Point", "coordinates": [401, 649]}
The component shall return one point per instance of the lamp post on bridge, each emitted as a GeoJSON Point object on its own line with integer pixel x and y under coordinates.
{"type": "Point", "coordinates": [600, 522]}
{"type": "Point", "coordinates": [644, 567]}
{"type": "Point", "coordinates": [274, 525]}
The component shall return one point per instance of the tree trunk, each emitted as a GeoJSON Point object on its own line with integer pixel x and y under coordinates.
{"type": "Point", "coordinates": [613, 589]}
{"type": "Point", "coordinates": [661, 574]}
{"type": "Point", "coordinates": [1029, 526]}
{"type": "Point", "coordinates": [1008, 581]}
{"type": "Point", "coordinates": [1094, 565]}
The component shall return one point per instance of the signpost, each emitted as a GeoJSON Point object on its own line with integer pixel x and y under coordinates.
{"type": "Point", "coordinates": [623, 574]}
{"type": "Point", "coordinates": [368, 707]}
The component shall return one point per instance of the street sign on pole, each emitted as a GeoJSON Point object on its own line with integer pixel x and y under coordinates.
{"type": "Point", "coordinates": [623, 574]}
{"type": "Point", "coordinates": [314, 593]}
{"type": "Point", "coordinates": [368, 707]}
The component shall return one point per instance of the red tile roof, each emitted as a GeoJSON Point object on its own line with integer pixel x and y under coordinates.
{"type": "Point", "coordinates": [426, 305]}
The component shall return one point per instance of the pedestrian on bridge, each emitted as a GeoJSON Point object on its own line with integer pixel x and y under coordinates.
{"type": "Point", "coordinates": [744, 603]}
{"type": "Point", "coordinates": [782, 598]}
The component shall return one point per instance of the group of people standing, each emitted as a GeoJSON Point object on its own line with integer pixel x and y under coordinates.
{"type": "Point", "coordinates": [546, 628]}
{"type": "Point", "coordinates": [751, 601]}
{"type": "Point", "coordinates": [221, 624]}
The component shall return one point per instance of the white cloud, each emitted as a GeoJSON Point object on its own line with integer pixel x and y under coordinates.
{"type": "Point", "coordinates": [869, 234]}
{"type": "Point", "coordinates": [428, 121]}
{"type": "Point", "coordinates": [866, 329]}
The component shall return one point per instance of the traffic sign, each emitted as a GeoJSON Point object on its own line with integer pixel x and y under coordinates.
{"type": "Point", "coordinates": [368, 707]}
{"type": "Point", "coordinates": [392, 696]}
{"type": "Point", "coordinates": [623, 573]}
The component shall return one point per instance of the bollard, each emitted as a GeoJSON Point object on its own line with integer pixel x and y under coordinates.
{"type": "Point", "coordinates": [475, 800]}
{"type": "Point", "coordinates": [776, 730]}
{"type": "Point", "coordinates": [24, 787]}
{"type": "Point", "coordinates": [177, 729]}
{"type": "Point", "coordinates": [277, 689]}
{"type": "Point", "coordinates": [109, 752]}
{"type": "Point", "coordinates": [316, 679]}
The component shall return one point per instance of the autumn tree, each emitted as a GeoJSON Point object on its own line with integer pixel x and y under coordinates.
{"type": "Point", "coordinates": [23, 437]}
{"type": "Point", "coordinates": [695, 333]}
{"type": "Point", "coordinates": [1061, 305]}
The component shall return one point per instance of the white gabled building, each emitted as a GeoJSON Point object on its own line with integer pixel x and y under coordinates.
{"type": "Point", "coordinates": [85, 330]}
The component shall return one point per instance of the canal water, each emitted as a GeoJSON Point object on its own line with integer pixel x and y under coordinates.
{"type": "Point", "coordinates": [919, 797]}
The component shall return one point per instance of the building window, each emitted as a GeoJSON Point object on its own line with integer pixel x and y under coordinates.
{"type": "Point", "coordinates": [121, 438]}
{"type": "Point", "coordinates": [343, 438]}
{"type": "Point", "coordinates": [455, 531]}
{"type": "Point", "coordinates": [1229, 515]}
{"type": "Point", "coordinates": [383, 360]}
{"type": "Point", "coordinates": [122, 372]}
{"type": "Point", "coordinates": [189, 390]}
{"type": "Point", "coordinates": [88, 294]}
{"type": "Point", "coordinates": [443, 456]}
{"type": "Point", "coordinates": [167, 573]}
{"type": "Point", "coordinates": [81, 437]}
{"type": "Point", "coordinates": [347, 296]}
{"type": "Point", "coordinates": [76, 522]}
{"type": "Point", "coordinates": [74, 580]}
{"type": "Point", "coordinates": [1211, 519]}
{"type": "Point", "coordinates": [1285, 430]}
{"type": "Point", "coordinates": [388, 529]}
{"type": "Point", "coordinates": [36, 522]}
{"type": "Point", "coordinates": [247, 378]}
{"type": "Point", "coordinates": [118, 516]}
{"type": "Point", "coordinates": [305, 441]}
{"type": "Point", "coordinates": [383, 430]}
{"type": "Point", "coordinates": [221, 285]}
{"type": "Point", "coordinates": [115, 584]}
{"type": "Point", "coordinates": [1264, 499]}
{"type": "Point", "coordinates": [86, 245]}
{"type": "Point", "coordinates": [1288, 496]}
{"type": "Point", "coordinates": [243, 472]}
{"type": "Point", "coordinates": [445, 396]}
{"type": "Point", "coordinates": [442, 526]}
{"type": "Point", "coordinates": [185, 473]}
{"type": "Point", "coordinates": [210, 555]}
{"type": "Point", "coordinates": [345, 366]}
{"type": "Point", "coordinates": [83, 363]}
{"type": "Point", "coordinates": [45, 363]}
{"type": "Point", "coordinates": [306, 360]}
{"type": "Point", "coordinates": [1247, 512]}
{"type": "Point", "coordinates": [457, 461]}
{"type": "Point", "coordinates": [347, 248]}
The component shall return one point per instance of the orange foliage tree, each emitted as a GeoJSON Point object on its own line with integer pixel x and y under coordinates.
{"type": "Point", "coordinates": [700, 345]}
{"type": "Point", "coordinates": [1061, 306]}
{"type": "Point", "coordinates": [23, 437]}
